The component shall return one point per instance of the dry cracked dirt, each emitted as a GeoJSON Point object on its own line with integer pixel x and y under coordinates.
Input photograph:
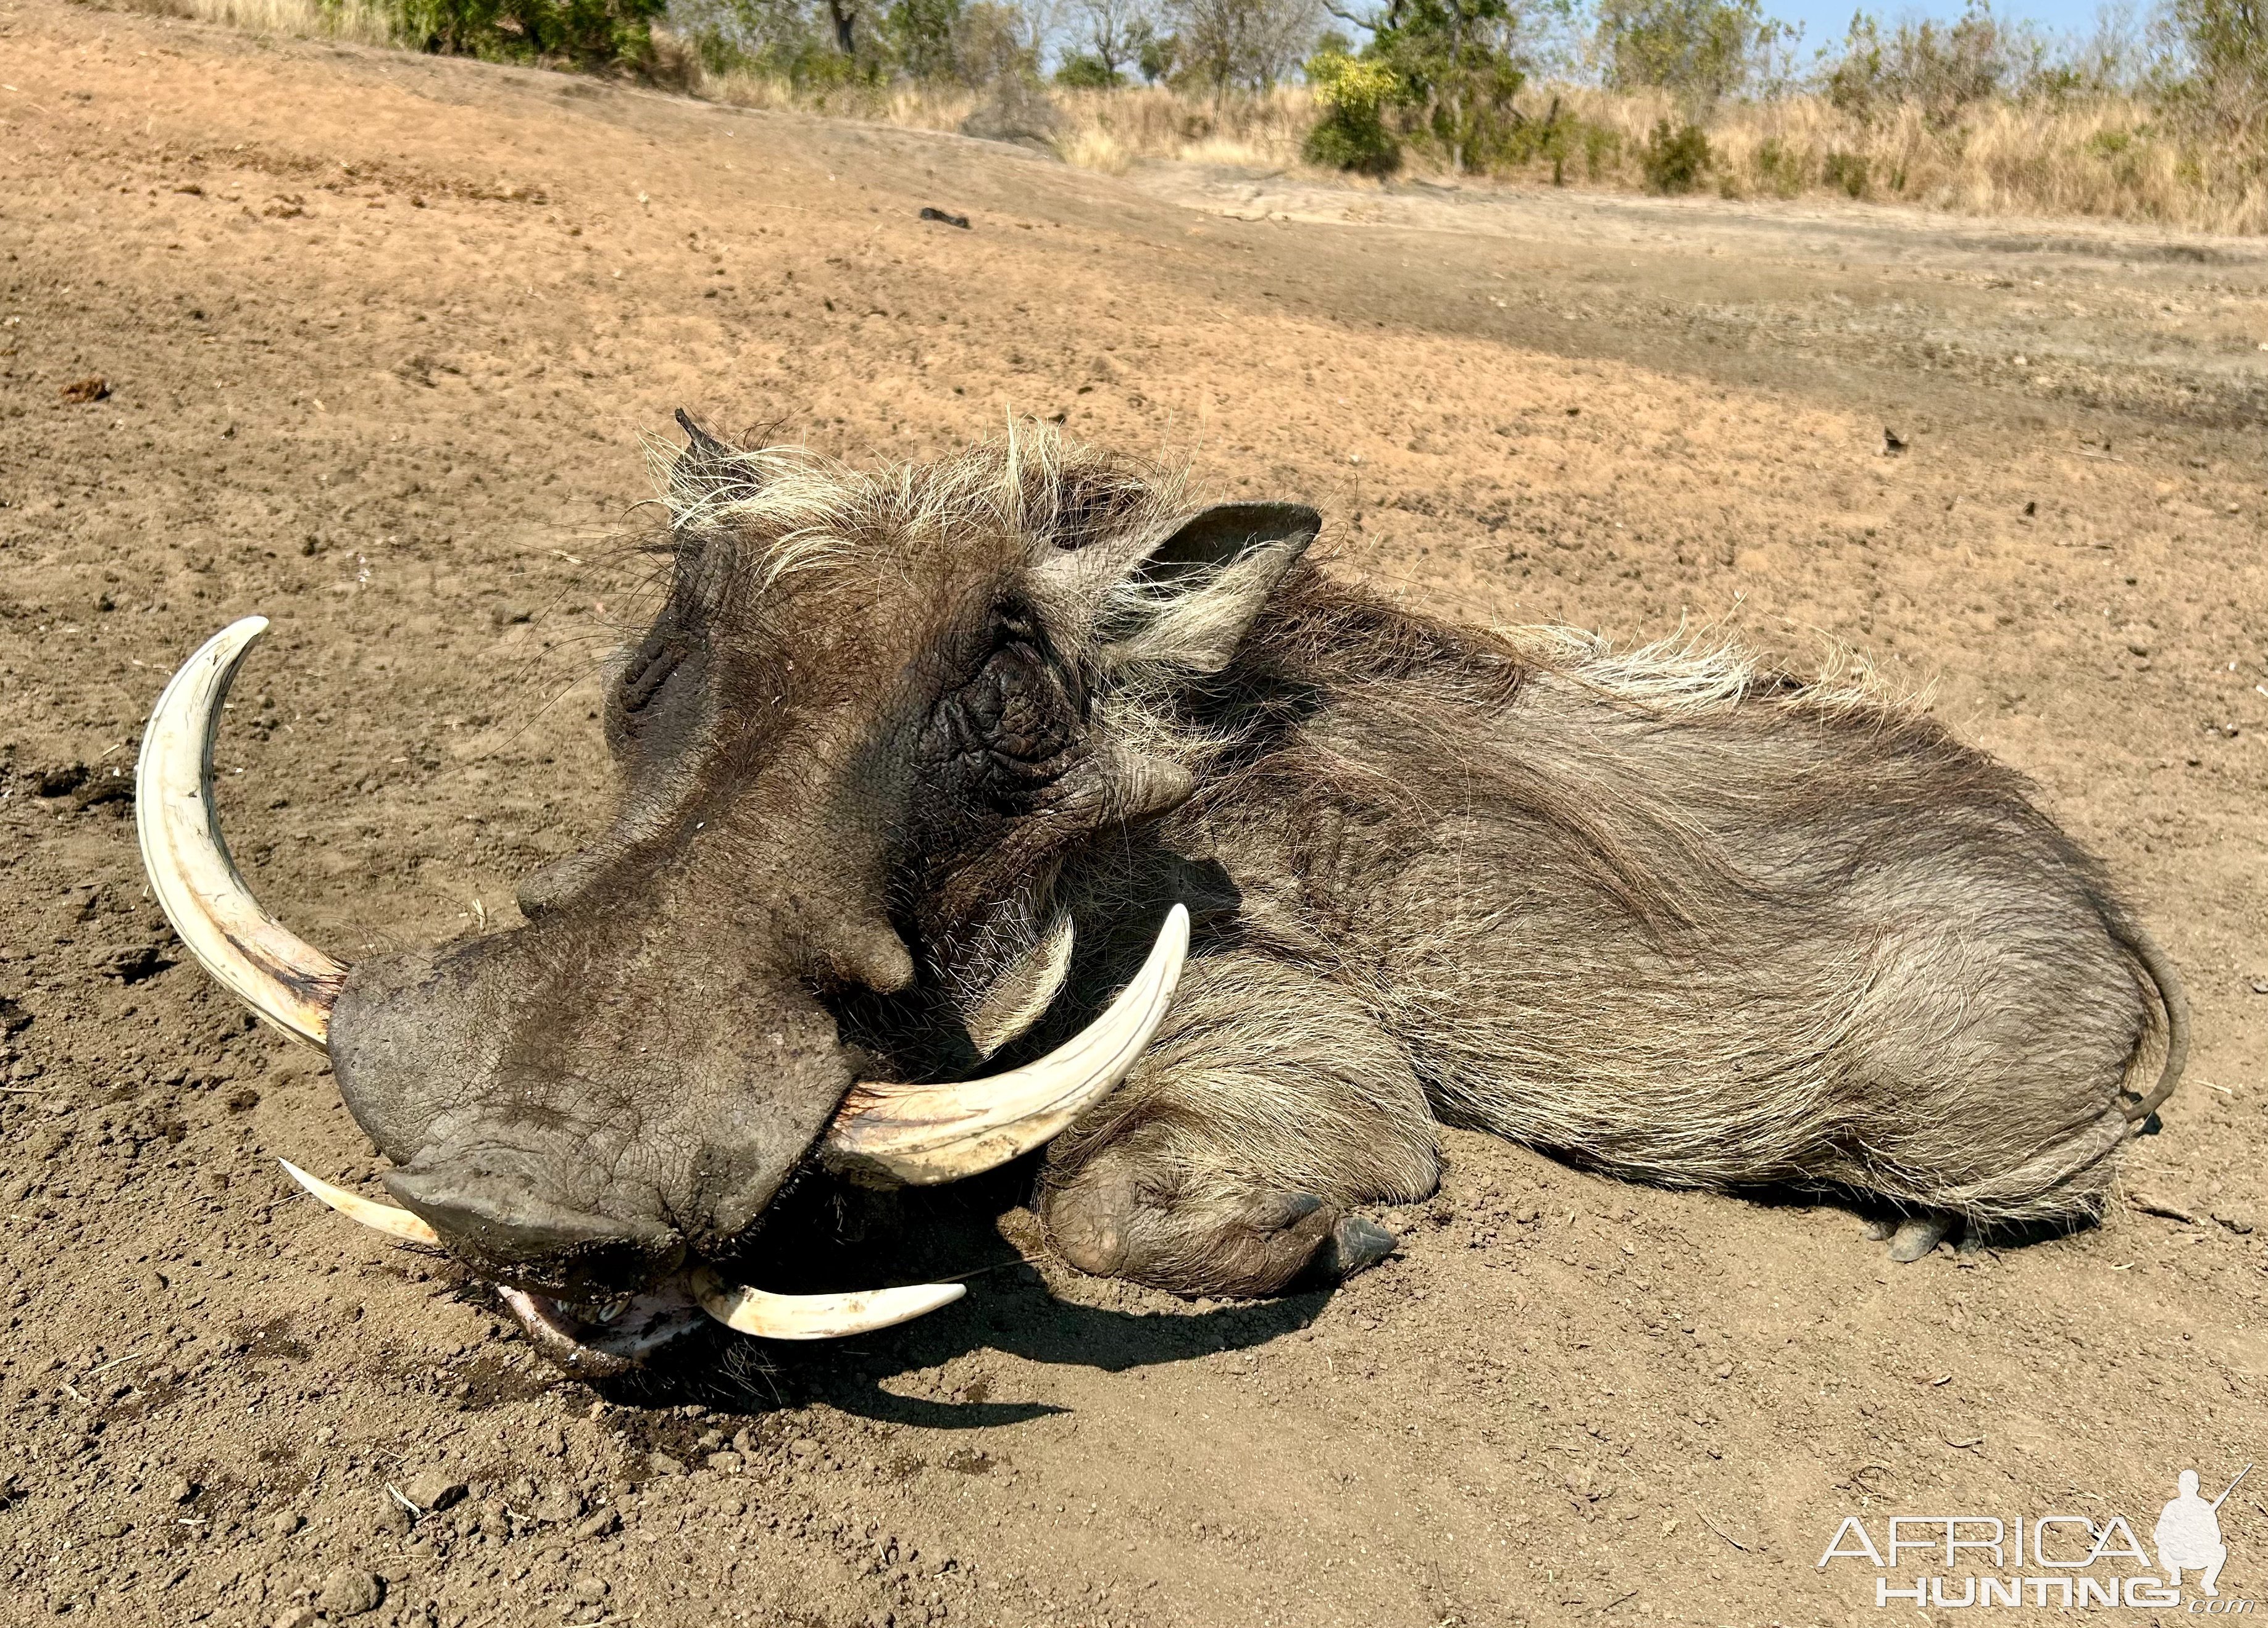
{"type": "Point", "coordinates": [368, 342]}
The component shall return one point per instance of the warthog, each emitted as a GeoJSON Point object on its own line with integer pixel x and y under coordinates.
{"type": "Point", "coordinates": [929, 778]}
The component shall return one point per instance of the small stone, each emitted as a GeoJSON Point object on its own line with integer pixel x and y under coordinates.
{"type": "Point", "coordinates": [432, 1489]}
{"type": "Point", "coordinates": [2238, 1221]}
{"type": "Point", "coordinates": [588, 1590]}
{"type": "Point", "coordinates": [725, 1463]}
{"type": "Point", "coordinates": [298, 1616]}
{"type": "Point", "coordinates": [663, 1465]}
{"type": "Point", "coordinates": [180, 1491]}
{"type": "Point", "coordinates": [113, 1529]}
{"type": "Point", "coordinates": [558, 1505]}
{"type": "Point", "coordinates": [349, 1593]}
{"type": "Point", "coordinates": [599, 1525]}
{"type": "Point", "coordinates": [390, 1519]}
{"type": "Point", "coordinates": [281, 1523]}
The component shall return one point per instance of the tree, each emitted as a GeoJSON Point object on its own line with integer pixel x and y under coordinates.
{"type": "Point", "coordinates": [2225, 43]}
{"type": "Point", "coordinates": [1459, 63]}
{"type": "Point", "coordinates": [1108, 38]}
{"type": "Point", "coordinates": [1704, 50]}
{"type": "Point", "coordinates": [1940, 68]}
{"type": "Point", "coordinates": [921, 36]}
{"type": "Point", "coordinates": [1222, 44]}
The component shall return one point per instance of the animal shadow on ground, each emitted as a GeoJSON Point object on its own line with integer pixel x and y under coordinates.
{"type": "Point", "coordinates": [834, 1238]}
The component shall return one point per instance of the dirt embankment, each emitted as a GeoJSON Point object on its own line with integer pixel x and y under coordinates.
{"type": "Point", "coordinates": [376, 337]}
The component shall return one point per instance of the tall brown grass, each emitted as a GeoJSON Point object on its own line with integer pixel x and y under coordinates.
{"type": "Point", "coordinates": [358, 20]}
{"type": "Point", "coordinates": [2109, 157]}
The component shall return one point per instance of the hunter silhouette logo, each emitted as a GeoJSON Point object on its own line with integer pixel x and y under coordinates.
{"type": "Point", "coordinates": [2066, 1560]}
{"type": "Point", "coordinates": [2188, 1533]}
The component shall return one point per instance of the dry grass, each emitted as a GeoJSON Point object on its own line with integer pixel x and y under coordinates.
{"type": "Point", "coordinates": [2115, 158]}
{"type": "Point", "coordinates": [306, 19]}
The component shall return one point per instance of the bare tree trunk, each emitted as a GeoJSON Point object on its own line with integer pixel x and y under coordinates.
{"type": "Point", "coordinates": [846, 30]}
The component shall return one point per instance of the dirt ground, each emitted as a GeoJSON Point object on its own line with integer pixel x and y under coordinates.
{"type": "Point", "coordinates": [377, 338]}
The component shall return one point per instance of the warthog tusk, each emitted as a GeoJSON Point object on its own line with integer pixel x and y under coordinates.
{"type": "Point", "coordinates": [283, 980]}
{"type": "Point", "coordinates": [920, 1134]}
{"type": "Point", "coordinates": [390, 1218]}
{"type": "Point", "coordinates": [817, 1317]}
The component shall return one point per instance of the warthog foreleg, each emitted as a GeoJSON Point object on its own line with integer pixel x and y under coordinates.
{"type": "Point", "coordinates": [1269, 1106]}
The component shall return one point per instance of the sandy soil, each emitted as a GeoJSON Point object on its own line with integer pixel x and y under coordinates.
{"type": "Point", "coordinates": [377, 337]}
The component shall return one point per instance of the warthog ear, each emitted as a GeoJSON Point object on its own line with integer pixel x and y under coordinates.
{"type": "Point", "coordinates": [699, 445]}
{"type": "Point", "coordinates": [1186, 601]}
{"type": "Point", "coordinates": [708, 474]}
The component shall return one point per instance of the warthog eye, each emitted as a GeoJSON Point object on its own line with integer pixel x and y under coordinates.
{"type": "Point", "coordinates": [1010, 725]}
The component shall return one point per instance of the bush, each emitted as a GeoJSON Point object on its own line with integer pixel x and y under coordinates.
{"type": "Point", "coordinates": [1353, 93]}
{"type": "Point", "coordinates": [1082, 72]}
{"type": "Point", "coordinates": [1672, 160]}
{"type": "Point", "coordinates": [1846, 169]}
{"type": "Point", "coordinates": [1780, 171]}
{"type": "Point", "coordinates": [582, 34]}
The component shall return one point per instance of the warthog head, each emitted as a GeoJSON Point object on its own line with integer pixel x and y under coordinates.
{"type": "Point", "coordinates": [871, 719]}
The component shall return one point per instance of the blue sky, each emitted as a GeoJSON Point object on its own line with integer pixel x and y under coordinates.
{"type": "Point", "coordinates": [1824, 20]}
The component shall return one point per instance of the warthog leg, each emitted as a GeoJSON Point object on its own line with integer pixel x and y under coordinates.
{"type": "Point", "coordinates": [1268, 1106]}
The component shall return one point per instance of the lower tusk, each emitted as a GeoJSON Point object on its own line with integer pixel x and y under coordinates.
{"type": "Point", "coordinates": [283, 980]}
{"type": "Point", "coordinates": [817, 1317]}
{"type": "Point", "coordinates": [390, 1218]}
{"type": "Point", "coordinates": [925, 1134]}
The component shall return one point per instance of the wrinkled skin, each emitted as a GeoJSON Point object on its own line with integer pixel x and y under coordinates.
{"type": "Point", "coordinates": [1666, 914]}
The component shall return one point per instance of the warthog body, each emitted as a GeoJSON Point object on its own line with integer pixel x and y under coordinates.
{"type": "Point", "coordinates": [895, 740]}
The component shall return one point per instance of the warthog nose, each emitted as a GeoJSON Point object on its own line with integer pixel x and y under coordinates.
{"type": "Point", "coordinates": [518, 1235]}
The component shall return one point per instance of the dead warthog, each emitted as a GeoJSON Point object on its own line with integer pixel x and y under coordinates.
{"type": "Point", "coordinates": [929, 780]}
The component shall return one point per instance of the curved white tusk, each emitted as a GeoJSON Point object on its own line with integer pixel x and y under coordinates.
{"type": "Point", "coordinates": [920, 1134]}
{"type": "Point", "coordinates": [390, 1218]}
{"type": "Point", "coordinates": [817, 1317]}
{"type": "Point", "coordinates": [283, 980]}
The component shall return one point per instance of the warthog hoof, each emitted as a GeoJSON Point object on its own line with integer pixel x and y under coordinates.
{"type": "Point", "coordinates": [1354, 1243]}
{"type": "Point", "coordinates": [1917, 1235]}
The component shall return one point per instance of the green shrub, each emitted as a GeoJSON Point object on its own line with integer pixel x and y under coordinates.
{"type": "Point", "coordinates": [583, 34]}
{"type": "Point", "coordinates": [1602, 150]}
{"type": "Point", "coordinates": [1673, 159]}
{"type": "Point", "coordinates": [1084, 72]}
{"type": "Point", "coordinates": [1846, 169]}
{"type": "Point", "coordinates": [1353, 93]}
{"type": "Point", "coordinates": [1780, 171]}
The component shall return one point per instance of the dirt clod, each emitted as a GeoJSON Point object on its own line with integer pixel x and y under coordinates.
{"type": "Point", "coordinates": [351, 1591]}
